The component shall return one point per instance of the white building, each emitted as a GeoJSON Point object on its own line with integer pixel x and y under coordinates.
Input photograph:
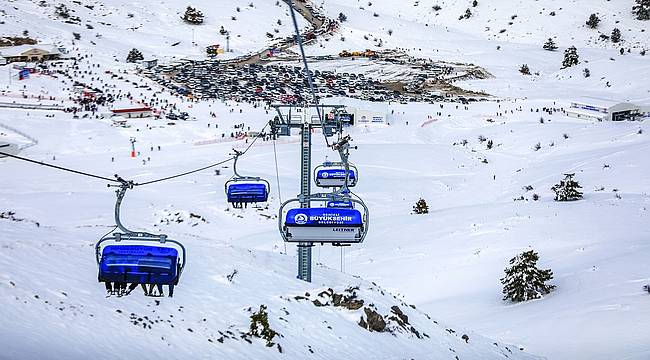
{"type": "Point", "coordinates": [26, 53]}
{"type": "Point", "coordinates": [605, 110]}
{"type": "Point", "coordinates": [366, 117]}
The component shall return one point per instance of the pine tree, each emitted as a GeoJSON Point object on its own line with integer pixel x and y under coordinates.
{"type": "Point", "coordinates": [62, 11]}
{"type": "Point", "coordinates": [421, 207]}
{"type": "Point", "coordinates": [342, 17]}
{"type": "Point", "coordinates": [550, 45]}
{"type": "Point", "coordinates": [134, 55]}
{"type": "Point", "coordinates": [616, 35]}
{"type": "Point", "coordinates": [642, 9]}
{"type": "Point", "coordinates": [523, 280]}
{"type": "Point", "coordinates": [593, 21]}
{"type": "Point", "coordinates": [193, 16]}
{"type": "Point", "coordinates": [570, 57]}
{"type": "Point", "coordinates": [567, 189]}
{"type": "Point", "coordinates": [586, 72]}
{"type": "Point", "coordinates": [524, 69]}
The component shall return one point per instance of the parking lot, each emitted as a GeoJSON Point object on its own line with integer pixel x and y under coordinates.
{"type": "Point", "coordinates": [395, 78]}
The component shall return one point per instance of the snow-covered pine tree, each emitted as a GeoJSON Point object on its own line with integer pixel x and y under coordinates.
{"type": "Point", "coordinates": [134, 55]}
{"type": "Point", "coordinates": [193, 16]}
{"type": "Point", "coordinates": [616, 35]}
{"type": "Point", "coordinates": [570, 57]}
{"type": "Point", "coordinates": [523, 280]}
{"type": "Point", "coordinates": [550, 45]}
{"type": "Point", "coordinates": [593, 21]}
{"type": "Point", "coordinates": [62, 11]}
{"type": "Point", "coordinates": [421, 207]}
{"type": "Point", "coordinates": [342, 17]}
{"type": "Point", "coordinates": [586, 73]}
{"type": "Point", "coordinates": [567, 189]}
{"type": "Point", "coordinates": [642, 9]}
{"type": "Point", "coordinates": [524, 69]}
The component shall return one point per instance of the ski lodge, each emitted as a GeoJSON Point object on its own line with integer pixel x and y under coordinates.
{"type": "Point", "coordinates": [605, 110]}
{"type": "Point", "coordinates": [28, 53]}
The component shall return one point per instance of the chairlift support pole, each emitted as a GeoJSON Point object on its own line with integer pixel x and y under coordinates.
{"type": "Point", "coordinates": [306, 124]}
{"type": "Point", "coordinates": [304, 249]}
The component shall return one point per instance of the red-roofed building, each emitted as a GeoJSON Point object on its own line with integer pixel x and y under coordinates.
{"type": "Point", "coordinates": [140, 112]}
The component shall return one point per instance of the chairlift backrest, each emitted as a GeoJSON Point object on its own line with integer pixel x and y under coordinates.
{"type": "Point", "coordinates": [323, 217]}
{"type": "Point", "coordinates": [342, 224]}
{"type": "Point", "coordinates": [247, 191]}
{"type": "Point", "coordinates": [330, 175]}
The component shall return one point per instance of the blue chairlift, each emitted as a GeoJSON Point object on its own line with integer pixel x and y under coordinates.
{"type": "Point", "coordinates": [127, 262]}
{"type": "Point", "coordinates": [247, 190]}
{"type": "Point", "coordinates": [243, 190]}
{"type": "Point", "coordinates": [337, 225]}
{"type": "Point", "coordinates": [333, 174]}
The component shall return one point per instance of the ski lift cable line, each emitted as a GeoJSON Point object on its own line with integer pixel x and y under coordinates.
{"type": "Point", "coordinates": [58, 167]}
{"type": "Point", "coordinates": [205, 167]}
{"type": "Point", "coordinates": [78, 172]}
{"type": "Point", "coordinates": [185, 173]}
{"type": "Point", "coordinates": [307, 73]}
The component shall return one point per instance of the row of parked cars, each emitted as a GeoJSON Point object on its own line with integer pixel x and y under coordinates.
{"type": "Point", "coordinates": [272, 83]}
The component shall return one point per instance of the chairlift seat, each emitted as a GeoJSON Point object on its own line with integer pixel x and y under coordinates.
{"type": "Point", "coordinates": [247, 192]}
{"type": "Point", "coordinates": [335, 177]}
{"type": "Point", "coordinates": [139, 264]}
{"type": "Point", "coordinates": [337, 225]}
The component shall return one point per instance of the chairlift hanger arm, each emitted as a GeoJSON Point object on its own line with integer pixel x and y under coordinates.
{"type": "Point", "coordinates": [236, 155]}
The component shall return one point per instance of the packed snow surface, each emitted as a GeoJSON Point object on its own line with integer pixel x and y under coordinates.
{"type": "Point", "coordinates": [447, 263]}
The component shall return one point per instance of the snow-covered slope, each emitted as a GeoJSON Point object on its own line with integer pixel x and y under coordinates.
{"type": "Point", "coordinates": [446, 38]}
{"type": "Point", "coordinates": [526, 22]}
{"type": "Point", "coordinates": [448, 263]}
{"type": "Point", "coordinates": [153, 27]}
{"type": "Point", "coordinates": [52, 307]}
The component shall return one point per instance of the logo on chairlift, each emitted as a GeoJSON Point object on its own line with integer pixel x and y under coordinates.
{"type": "Point", "coordinates": [325, 175]}
{"type": "Point", "coordinates": [301, 219]}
